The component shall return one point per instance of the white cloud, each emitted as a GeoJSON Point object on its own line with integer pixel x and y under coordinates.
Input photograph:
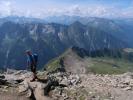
{"type": "Point", "coordinates": [91, 11]}
{"type": "Point", "coordinates": [128, 12]}
{"type": "Point", "coordinates": [8, 7]}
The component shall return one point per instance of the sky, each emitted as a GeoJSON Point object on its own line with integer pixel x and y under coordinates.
{"type": "Point", "coordinates": [83, 8]}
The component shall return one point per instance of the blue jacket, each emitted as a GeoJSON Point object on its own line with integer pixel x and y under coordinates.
{"type": "Point", "coordinates": [30, 60]}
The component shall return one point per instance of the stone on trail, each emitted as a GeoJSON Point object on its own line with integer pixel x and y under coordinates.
{"type": "Point", "coordinates": [2, 76]}
{"type": "Point", "coordinates": [64, 86]}
{"type": "Point", "coordinates": [127, 88]}
{"type": "Point", "coordinates": [3, 82]}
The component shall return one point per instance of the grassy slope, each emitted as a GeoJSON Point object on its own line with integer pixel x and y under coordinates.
{"type": "Point", "coordinates": [110, 66]}
{"type": "Point", "coordinates": [55, 63]}
{"type": "Point", "coordinates": [98, 65]}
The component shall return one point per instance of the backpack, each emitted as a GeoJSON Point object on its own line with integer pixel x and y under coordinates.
{"type": "Point", "coordinates": [35, 56]}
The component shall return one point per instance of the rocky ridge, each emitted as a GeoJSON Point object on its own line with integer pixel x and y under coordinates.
{"type": "Point", "coordinates": [65, 86]}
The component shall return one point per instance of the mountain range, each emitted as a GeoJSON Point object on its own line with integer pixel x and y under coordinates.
{"type": "Point", "coordinates": [49, 40]}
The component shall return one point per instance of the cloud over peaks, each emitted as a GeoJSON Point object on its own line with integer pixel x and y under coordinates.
{"type": "Point", "coordinates": [11, 7]}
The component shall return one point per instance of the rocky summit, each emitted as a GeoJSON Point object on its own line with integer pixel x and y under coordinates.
{"type": "Point", "coordinates": [16, 85]}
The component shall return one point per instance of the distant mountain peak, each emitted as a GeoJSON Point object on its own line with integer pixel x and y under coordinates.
{"type": "Point", "coordinates": [50, 40]}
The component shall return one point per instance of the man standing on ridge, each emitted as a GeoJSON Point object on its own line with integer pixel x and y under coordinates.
{"type": "Point", "coordinates": [32, 63]}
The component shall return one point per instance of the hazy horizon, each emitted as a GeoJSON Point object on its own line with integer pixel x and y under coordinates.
{"type": "Point", "coordinates": [86, 8]}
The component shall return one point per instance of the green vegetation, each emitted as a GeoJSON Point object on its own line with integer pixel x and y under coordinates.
{"type": "Point", "coordinates": [110, 66]}
{"type": "Point", "coordinates": [82, 97]}
{"type": "Point", "coordinates": [53, 65]}
{"type": "Point", "coordinates": [78, 94]}
{"type": "Point", "coordinates": [99, 65]}
{"type": "Point", "coordinates": [112, 62]}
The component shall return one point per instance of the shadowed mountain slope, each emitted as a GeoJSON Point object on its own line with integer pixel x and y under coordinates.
{"type": "Point", "coordinates": [50, 40]}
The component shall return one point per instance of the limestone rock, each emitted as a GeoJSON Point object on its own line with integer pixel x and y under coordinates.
{"type": "Point", "coordinates": [128, 88]}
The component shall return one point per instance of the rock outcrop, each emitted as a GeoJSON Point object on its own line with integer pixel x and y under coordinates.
{"type": "Point", "coordinates": [67, 86]}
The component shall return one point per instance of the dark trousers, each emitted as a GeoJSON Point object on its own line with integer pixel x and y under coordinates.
{"type": "Point", "coordinates": [33, 69]}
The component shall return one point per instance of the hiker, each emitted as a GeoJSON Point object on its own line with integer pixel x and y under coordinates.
{"type": "Point", "coordinates": [32, 63]}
